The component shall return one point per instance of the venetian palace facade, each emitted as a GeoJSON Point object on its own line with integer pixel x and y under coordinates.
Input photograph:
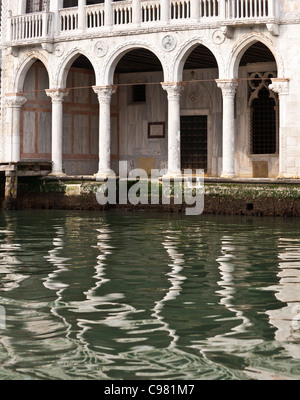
{"type": "Point", "coordinates": [176, 84]}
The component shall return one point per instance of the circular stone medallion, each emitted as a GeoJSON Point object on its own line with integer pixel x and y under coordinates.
{"type": "Point", "coordinates": [169, 42]}
{"type": "Point", "coordinates": [100, 48]}
{"type": "Point", "coordinates": [218, 37]}
{"type": "Point", "coordinates": [59, 50]}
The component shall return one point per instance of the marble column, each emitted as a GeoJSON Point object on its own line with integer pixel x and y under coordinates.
{"type": "Point", "coordinates": [108, 13]}
{"type": "Point", "coordinates": [165, 10]}
{"type": "Point", "coordinates": [136, 12]}
{"type": "Point", "coordinates": [195, 9]}
{"type": "Point", "coordinates": [14, 103]}
{"type": "Point", "coordinates": [81, 14]}
{"type": "Point", "coordinates": [281, 86]}
{"type": "Point", "coordinates": [174, 91]}
{"type": "Point", "coordinates": [57, 97]}
{"type": "Point", "coordinates": [104, 94]}
{"type": "Point", "coordinates": [228, 87]}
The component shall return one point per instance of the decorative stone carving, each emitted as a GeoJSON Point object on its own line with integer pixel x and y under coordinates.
{"type": "Point", "coordinates": [57, 95]}
{"type": "Point", "coordinates": [100, 48]}
{"type": "Point", "coordinates": [218, 37]}
{"type": "Point", "coordinates": [257, 81]}
{"type": "Point", "coordinates": [174, 90]}
{"type": "Point", "coordinates": [274, 29]}
{"type": "Point", "coordinates": [280, 86]}
{"type": "Point", "coordinates": [194, 96]}
{"type": "Point", "coordinates": [104, 93]}
{"type": "Point", "coordinates": [15, 100]}
{"type": "Point", "coordinates": [228, 86]}
{"type": "Point", "coordinates": [169, 43]}
{"type": "Point", "coordinates": [59, 50]}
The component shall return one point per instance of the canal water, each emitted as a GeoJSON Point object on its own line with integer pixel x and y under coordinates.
{"type": "Point", "coordinates": [115, 295]}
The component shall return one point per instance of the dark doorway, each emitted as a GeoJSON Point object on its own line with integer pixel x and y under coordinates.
{"type": "Point", "coordinates": [193, 130]}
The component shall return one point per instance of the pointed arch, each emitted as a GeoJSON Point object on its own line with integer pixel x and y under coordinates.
{"type": "Point", "coordinates": [65, 65]}
{"type": "Point", "coordinates": [24, 66]}
{"type": "Point", "coordinates": [107, 72]}
{"type": "Point", "coordinates": [243, 45]}
{"type": "Point", "coordinates": [186, 49]}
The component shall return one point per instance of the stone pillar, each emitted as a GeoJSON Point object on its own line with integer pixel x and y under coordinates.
{"type": "Point", "coordinates": [195, 9]}
{"type": "Point", "coordinates": [165, 11]}
{"type": "Point", "coordinates": [57, 97]}
{"type": "Point", "coordinates": [228, 87]}
{"type": "Point", "coordinates": [108, 13]}
{"type": "Point", "coordinates": [81, 15]}
{"type": "Point", "coordinates": [14, 103]}
{"type": "Point", "coordinates": [11, 188]}
{"type": "Point", "coordinates": [174, 91]}
{"type": "Point", "coordinates": [55, 5]}
{"type": "Point", "coordinates": [136, 12]}
{"type": "Point", "coordinates": [281, 86]}
{"type": "Point", "coordinates": [104, 94]}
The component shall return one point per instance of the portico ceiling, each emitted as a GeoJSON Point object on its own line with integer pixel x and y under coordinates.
{"type": "Point", "coordinates": [142, 60]}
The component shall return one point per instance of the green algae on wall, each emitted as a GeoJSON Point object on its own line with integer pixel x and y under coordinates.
{"type": "Point", "coordinates": [219, 198]}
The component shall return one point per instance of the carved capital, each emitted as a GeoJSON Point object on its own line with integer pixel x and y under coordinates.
{"type": "Point", "coordinates": [228, 86]}
{"type": "Point", "coordinates": [57, 95]}
{"type": "Point", "coordinates": [104, 93]}
{"type": "Point", "coordinates": [174, 89]}
{"type": "Point", "coordinates": [280, 86]}
{"type": "Point", "coordinates": [15, 100]}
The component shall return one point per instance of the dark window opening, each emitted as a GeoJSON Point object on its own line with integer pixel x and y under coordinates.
{"type": "Point", "coordinates": [138, 94]}
{"type": "Point", "coordinates": [33, 6]}
{"type": "Point", "coordinates": [193, 135]}
{"type": "Point", "coordinates": [263, 124]}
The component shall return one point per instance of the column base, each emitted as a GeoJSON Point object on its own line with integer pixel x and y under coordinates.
{"type": "Point", "coordinates": [172, 175]}
{"type": "Point", "coordinates": [227, 175]}
{"type": "Point", "coordinates": [57, 173]}
{"type": "Point", "coordinates": [284, 175]}
{"type": "Point", "coordinates": [103, 175]}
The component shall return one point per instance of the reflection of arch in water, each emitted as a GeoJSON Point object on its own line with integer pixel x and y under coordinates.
{"type": "Point", "coordinates": [286, 320]}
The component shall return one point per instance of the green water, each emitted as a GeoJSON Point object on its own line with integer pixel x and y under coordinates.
{"type": "Point", "coordinates": [90, 295]}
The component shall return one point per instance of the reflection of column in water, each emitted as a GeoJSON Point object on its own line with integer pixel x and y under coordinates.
{"type": "Point", "coordinates": [176, 280]}
{"type": "Point", "coordinates": [9, 262]}
{"type": "Point", "coordinates": [226, 268]}
{"type": "Point", "coordinates": [287, 319]}
{"type": "Point", "coordinates": [104, 249]}
{"type": "Point", "coordinates": [52, 281]}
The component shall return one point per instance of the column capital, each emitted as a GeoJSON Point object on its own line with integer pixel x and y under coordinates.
{"type": "Point", "coordinates": [57, 95]}
{"type": "Point", "coordinates": [15, 100]}
{"type": "Point", "coordinates": [228, 86]}
{"type": "Point", "coordinates": [280, 86]}
{"type": "Point", "coordinates": [174, 89]}
{"type": "Point", "coordinates": [104, 93]}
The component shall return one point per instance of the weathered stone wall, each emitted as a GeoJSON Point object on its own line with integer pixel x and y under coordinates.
{"type": "Point", "coordinates": [220, 198]}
